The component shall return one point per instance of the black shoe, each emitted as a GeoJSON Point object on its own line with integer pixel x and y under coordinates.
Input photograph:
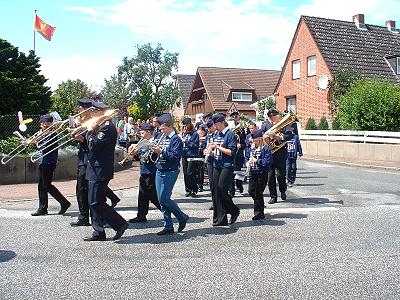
{"type": "Point", "coordinates": [234, 218]}
{"type": "Point", "coordinates": [80, 223]}
{"type": "Point", "coordinates": [283, 196]}
{"type": "Point", "coordinates": [182, 224]}
{"type": "Point", "coordinates": [137, 220]}
{"type": "Point", "coordinates": [64, 208]}
{"type": "Point", "coordinates": [39, 213]}
{"type": "Point", "coordinates": [258, 217]}
{"type": "Point", "coordinates": [114, 203]}
{"type": "Point", "coordinates": [272, 201]}
{"type": "Point", "coordinates": [193, 194]}
{"type": "Point", "coordinates": [95, 238]}
{"type": "Point", "coordinates": [166, 231]}
{"type": "Point", "coordinates": [211, 208]}
{"type": "Point", "coordinates": [241, 190]}
{"type": "Point", "coordinates": [220, 224]}
{"type": "Point", "coordinates": [120, 232]}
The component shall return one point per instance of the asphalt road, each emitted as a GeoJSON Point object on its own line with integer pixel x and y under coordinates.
{"type": "Point", "coordinates": [336, 237]}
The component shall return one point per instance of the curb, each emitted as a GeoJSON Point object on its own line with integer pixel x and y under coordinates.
{"type": "Point", "coordinates": [351, 164]}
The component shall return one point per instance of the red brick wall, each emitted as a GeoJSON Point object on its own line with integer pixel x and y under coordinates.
{"type": "Point", "coordinates": [310, 102]}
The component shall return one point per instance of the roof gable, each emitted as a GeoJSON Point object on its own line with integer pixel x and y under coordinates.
{"type": "Point", "coordinates": [184, 84]}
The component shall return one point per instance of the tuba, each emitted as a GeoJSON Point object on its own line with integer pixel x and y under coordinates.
{"type": "Point", "coordinates": [287, 120]}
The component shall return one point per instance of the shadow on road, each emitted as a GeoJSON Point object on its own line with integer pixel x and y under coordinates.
{"type": "Point", "coordinates": [159, 223]}
{"type": "Point", "coordinates": [6, 255]}
{"type": "Point", "coordinates": [311, 177]}
{"type": "Point", "coordinates": [309, 184]}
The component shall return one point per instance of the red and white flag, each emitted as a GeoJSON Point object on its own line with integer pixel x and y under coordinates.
{"type": "Point", "coordinates": [44, 29]}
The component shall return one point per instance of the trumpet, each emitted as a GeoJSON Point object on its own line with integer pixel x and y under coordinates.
{"type": "Point", "coordinates": [39, 137]}
{"type": "Point", "coordinates": [142, 144]}
{"type": "Point", "coordinates": [67, 135]}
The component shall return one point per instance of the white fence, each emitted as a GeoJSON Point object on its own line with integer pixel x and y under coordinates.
{"type": "Point", "coordinates": [378, 137]}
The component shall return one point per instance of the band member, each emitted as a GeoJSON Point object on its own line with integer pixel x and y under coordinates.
{"type": "Point", "coordinates": [101, 139]}
{"type": "Point", "coordinates": [252, 127]}
{"type": "Point", "coordinates": [47, 164]}
{"type": "Point", "coordinates": [204, 119]}
{"type": "Point", "coordinates": [224, 149]}
{"type": "Point", "coordinates": [293, 149]}
{"type": "Point", "coordinates": [239, 157]}
{"type": "Point", "coordinates": [258, 162]}
{"type": "Point", "coordinates": [200, 164]}
{"type": "Point", "coordinates": [209, 158]}
{"type": "Point", "coordinates": [169, 153]}
{"type": "Point", "coordinates": [81, 181]}
{"type": "Point", "coordinates": [157, 132]}
{"type": "Point", "coordinates": [190, 149]}
{"type": "Point", "coordinates": [277, 170]}
{"type": "Point", "coordinates": [147, 183]}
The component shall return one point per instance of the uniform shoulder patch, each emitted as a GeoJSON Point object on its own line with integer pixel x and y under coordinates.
{"type": "Point", "coordinates": [101, 135]}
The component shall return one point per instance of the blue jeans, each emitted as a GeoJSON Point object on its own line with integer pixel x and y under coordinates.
{"type": "Point", "coordinates": [291, 169]}
{"type": "Point", "coordinates": [165, 181]}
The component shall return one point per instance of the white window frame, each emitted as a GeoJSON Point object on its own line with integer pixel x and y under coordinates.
{"type": "Point", "coordinates": [309, 65]}
{"type": "Point", "coordinates": [291, 105]}
{"type": "Point", "coordinates": [398, 65]}
{"type": "Point", "coordinates": [296, 71]}
{"type": "Point", "coordinates": [241, 97]}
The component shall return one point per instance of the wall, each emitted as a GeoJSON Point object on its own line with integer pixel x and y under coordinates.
{"type": "Point", "coordinates": [310, 101]}
{"type": "Point", "coordinates": [380, 152]}
{"type": "Point", "coordinates": [22, 170]}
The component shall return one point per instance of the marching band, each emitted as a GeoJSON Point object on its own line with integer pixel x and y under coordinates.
{"type": "Point", "coordinates": [210, 148]}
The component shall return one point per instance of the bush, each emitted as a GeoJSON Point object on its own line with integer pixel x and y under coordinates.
{"type": "Point", "coordinates": [6, 146]}
{"type": "Point", "coordinates": [371, 105]}
{"type": "Point", "coordinates": [323, 124]}
{"type": "Point", "coordinates": [336, 124]}
{"type": "Point", "coordinates": [310, 125]}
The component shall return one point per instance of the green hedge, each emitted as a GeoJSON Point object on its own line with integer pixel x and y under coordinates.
{"type": "Point", "coordinates": [11, 143]}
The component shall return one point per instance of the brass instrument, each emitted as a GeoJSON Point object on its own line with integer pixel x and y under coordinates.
{"type": "Point", "coordinates": [67, 134]}
{"type": "Point", "coordinates": [142, 144]}
{"type": "Point", "coordinates": [287, 120]}
{"type": "Point", "coordinates": [39, 136]}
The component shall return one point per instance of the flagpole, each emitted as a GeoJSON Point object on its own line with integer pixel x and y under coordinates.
{"type": "Point", "coordinates": [34, 36]}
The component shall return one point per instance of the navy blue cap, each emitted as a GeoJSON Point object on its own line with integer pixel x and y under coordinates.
{"type": "Point", "coordinates": [146, 126]}
{"type": "Point", "coordinates": [272, 112]}
{"type": "Point", "coordinates": [99, 105]}
{"type": "Point", "coordinates": [210, 123]}
{"type": "Point", "coordinates": [218, 118]}
{"type": "Point", "coordinates": [186, 121]}
{"type": "Point", "coordinates": [234, 113]}
{"type": "Point", "coordinates": [206, 115]}
{"type": "Point", "coordinates": [157, 115]}
{"type": "Point", "coordinates": [164, 118]}
{"type": "Point", "coordinates": [46, 118]}
{"type": "Point", "coordinates": [256, 134]}
{"type": "Point", "coordinates": [86, 103]}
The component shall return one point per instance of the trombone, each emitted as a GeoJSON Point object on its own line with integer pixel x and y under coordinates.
{"type": "Point", "coordinates": [37, 137]}
{"type": "Point", "coordinates": [67, 134]}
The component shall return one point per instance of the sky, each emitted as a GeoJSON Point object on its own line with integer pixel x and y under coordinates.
{"type": "Point", "coordinates": [93, 36]}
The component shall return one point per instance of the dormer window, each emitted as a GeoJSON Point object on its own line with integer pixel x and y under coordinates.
{"type": "Point", "coordinates": [242, 96]}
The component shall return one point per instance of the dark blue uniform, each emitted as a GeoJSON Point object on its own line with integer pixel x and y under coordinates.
{"type": "Point", "coordinates": [190, 150]}
{"type": "Point", "coordinates": [293, 148]}
{"type": "Point", "coordinates": [222, 178]}
{"type": "Point", "coordinates": [239, 161]}
{"type": "Point", "coordinates": [47, 166]}
{"type": "Point", "coordinates": [258, 176]}
{"type": "Point", "coordinates": [100, 170]}
{"type": "Point", "coordinates": [147, 186]}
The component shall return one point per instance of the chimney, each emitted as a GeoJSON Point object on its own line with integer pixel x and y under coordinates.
{"type": "Point", "coordinates": [391, 25]}
{"type": "Point", "coordinates": [359, 21]}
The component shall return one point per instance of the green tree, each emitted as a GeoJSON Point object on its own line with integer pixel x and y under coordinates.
{"type": "Point", "coordinates": [371, 105]}
{"type": "Point", "coordinates": [147, 79]}
{"type": "Point", "coordinates": [21, 85]}
{"type": "Point", "coordinates": [311, 125]}
{"type": "Point", "coordinates": [64, 98]}
{"type": "Point", "coordinates": [341, 82]}
{"type": "Point", "coordinates": [323, 124]}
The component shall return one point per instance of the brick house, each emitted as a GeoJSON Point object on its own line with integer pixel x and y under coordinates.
{"type": "Point", "coordinates": [184, 84]}
{"type": "Point", "coordinates": [222, 89]}
{"type": "Point", "coordinates": [319, 47]}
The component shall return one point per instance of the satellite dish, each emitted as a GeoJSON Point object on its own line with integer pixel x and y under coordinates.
{"type": "Point", "coordinates": [323, 82]}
